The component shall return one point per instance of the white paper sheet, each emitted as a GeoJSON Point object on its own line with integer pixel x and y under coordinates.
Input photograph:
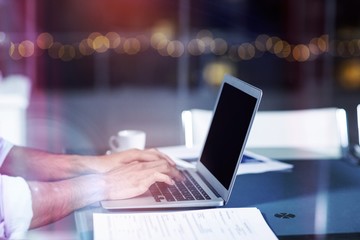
{"type": "Point", "coordinates": [218, 223]}
{"type": "Point", "coordinates": [182, 155]}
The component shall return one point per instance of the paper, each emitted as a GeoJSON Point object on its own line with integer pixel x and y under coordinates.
{"type": "Point", "coordinates": [218, 223]}
{"type": "Point", "coordinates": [255, 163]}
{"type": "Point", "coordinates": [252, 163]}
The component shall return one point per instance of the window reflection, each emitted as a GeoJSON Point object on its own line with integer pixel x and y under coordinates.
{"type": "Point", "coordinates": [303, 50]}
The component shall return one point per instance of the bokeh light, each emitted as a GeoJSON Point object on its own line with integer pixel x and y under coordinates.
{"type": "Point", "coordinates": [26, 48]}
{"type": "Point", "coordinates": [161, 39]}
{"type": "Point", "coordinates": [260, 42]}
{"type": "Point", "coordinates": [101, 44]}
{"type": "Point", "coordinates": [196, 47]}
{"type": "Point", "coordinates": [218, 46]}
{"type": "Point", "coordinates": [114, 39]}
{"type": "Point", "coordinates": [282, 49]}
{"type": "Point", "coordinates": [165, 28]}
{"type": "Point", "coordinates": [54, 50]}
{"type": "Point", "coordinates": [301, 53]}
{"type": "Point", "coordinates": [66, 53]}
{"type": "Point", "coordinates": [132, 46]}
{"type": "Point", "coordinates": [175, 49]}
{"type": "Point", "coordinates": [44, 40]}
{"type": "Point", "coordinates": [84, 48]}
{"type": "Point", "coordinates": [14, 51]}
{"type": "Point", "coordinates": [246, 51]}
{"type": "Point", "coordinates": [349, 74]}
{"type": "Point", "coordinates": [214, 72]}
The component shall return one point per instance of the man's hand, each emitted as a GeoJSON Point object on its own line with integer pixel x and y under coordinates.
{"type": "Point", "coordinates": [109, 162]}
{"type": "Point", "coordinates": [133, 178]}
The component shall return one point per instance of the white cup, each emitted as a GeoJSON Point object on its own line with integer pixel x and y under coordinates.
{"type": "Point", "coordinates": [127, 139]}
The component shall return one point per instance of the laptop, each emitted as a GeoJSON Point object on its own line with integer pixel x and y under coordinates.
{"type": "Point", "coordinates": [216, 168]}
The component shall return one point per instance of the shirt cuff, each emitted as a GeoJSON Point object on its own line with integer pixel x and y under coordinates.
{"type": "Point", "coordinates": [17, 206]}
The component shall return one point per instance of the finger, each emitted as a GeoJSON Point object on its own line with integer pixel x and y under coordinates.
{"type": "Point", "coordinates": [147, 155]}
{"type": "Point", "coordinates": [176, 174]}
{"type": "Point", "coordinates": [145, 168]}
{"type": "Point", "coordinates": [162, 156]}
{"type": "Point", "coordinates": [132, 155]}
{"type": "Point", "coordinates": [144, 184]}
{"type": "Point", "coordinates": [160, 177]}
{"type": "Point", "coordinates": [163, 168]}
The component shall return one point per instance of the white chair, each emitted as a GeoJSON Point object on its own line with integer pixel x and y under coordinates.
{"type": "Point", "coordinates": [14, 100]}
{"type": "Point", "coordinates": [290, 134]}
{"type": "Point", "coordinates": [358, 122]}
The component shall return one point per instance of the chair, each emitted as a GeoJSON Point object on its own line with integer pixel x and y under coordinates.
{"type": "Point", "coordinates": [14, 101]}
{"type": "Point", "coordinates": [302, 134]}
{"type": "Point", "coordinates": [358, 122]}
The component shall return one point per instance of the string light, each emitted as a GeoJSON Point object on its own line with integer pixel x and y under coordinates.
{"type": "Point", "coordinates": [218, 46]}
{"type": "Point", "coordinates": [14, 52]}
{"type": "Point", "coordinates": [132, 46]}
{"type": "Point", "coordinates": [301, 53]}
{"type": "Point", "coordinates": [260, 42]}
{"type": "Point", "coordinates": [175, 49]}
{"type": "Point", "coordinates": [84, 48]}
{"type": "Point", "coordinates": [101, 44]}
{"type": "Point", "coordinates": [45, 40]}
{"type": "Point", "coordinates": [26, 48]}
{"type": "Point", "coordinates": [162, 40]}
{"type": "Point", "coordinates": [114, 39]}
{"type": "Point", "coordinates": [196, 47]}
{"type": "Point", "coordinates": [246, 51]}
{"type": "Point", "coordinates": [66, 53]}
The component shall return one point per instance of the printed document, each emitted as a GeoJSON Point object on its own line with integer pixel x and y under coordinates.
{"type": "Point", "coordinates": [205, 224]}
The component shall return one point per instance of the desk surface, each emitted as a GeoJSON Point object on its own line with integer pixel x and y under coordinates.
{"type": "Point", "coordinates": [317, 197]}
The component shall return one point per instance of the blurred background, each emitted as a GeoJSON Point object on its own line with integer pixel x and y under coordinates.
{"type": "Point", "coordinates": [96, 67]}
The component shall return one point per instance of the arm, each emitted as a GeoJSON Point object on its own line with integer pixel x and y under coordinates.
{"type": "Point", "coordinates": [54, 200]}
{"type": "Point", "coordinates": [39, 165]}
{"type": "Point", "coordinates": [35, 164]}
{"type": "Point", "coordinates": [122, 175]}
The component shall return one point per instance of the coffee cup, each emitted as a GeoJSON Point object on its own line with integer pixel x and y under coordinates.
{"type": "Point", "coordinates": [127, 139]}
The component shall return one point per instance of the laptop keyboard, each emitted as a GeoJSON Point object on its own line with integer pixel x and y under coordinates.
{"type": "Point", "coordinates": [185, 190]}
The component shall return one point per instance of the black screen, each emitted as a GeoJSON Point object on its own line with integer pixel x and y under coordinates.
{"type": "Point", "coordinates": [227, 133]}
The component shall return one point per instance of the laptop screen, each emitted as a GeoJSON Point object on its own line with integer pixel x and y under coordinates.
{"type": "Point", "coordinates": [227, 133]}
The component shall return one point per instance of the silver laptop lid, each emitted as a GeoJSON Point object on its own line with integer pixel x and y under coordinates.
{"type": "Point", "coordinates": [234, 112]}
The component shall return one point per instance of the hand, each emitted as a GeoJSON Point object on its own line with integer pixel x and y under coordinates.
{"type": "Point", "coordinates": [135, 178]}
{"type": "Point", "coordinates": [109, 162]}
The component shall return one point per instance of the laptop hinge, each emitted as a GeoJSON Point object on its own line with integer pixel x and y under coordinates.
{"type": "Point", "coordinates": [209, 185]}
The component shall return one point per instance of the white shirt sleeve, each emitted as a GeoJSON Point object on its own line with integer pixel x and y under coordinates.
{"type": "Point", "coordinates": [15, 202]}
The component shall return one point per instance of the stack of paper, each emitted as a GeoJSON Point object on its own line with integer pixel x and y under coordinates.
{"type": "Point", "coordinates": [206, 224]}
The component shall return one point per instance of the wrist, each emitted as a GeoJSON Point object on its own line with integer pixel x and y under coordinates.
{"type": "Point", "coordinates": [97, 186]}
{"type": "Point", "coordinates": [88, 164]}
